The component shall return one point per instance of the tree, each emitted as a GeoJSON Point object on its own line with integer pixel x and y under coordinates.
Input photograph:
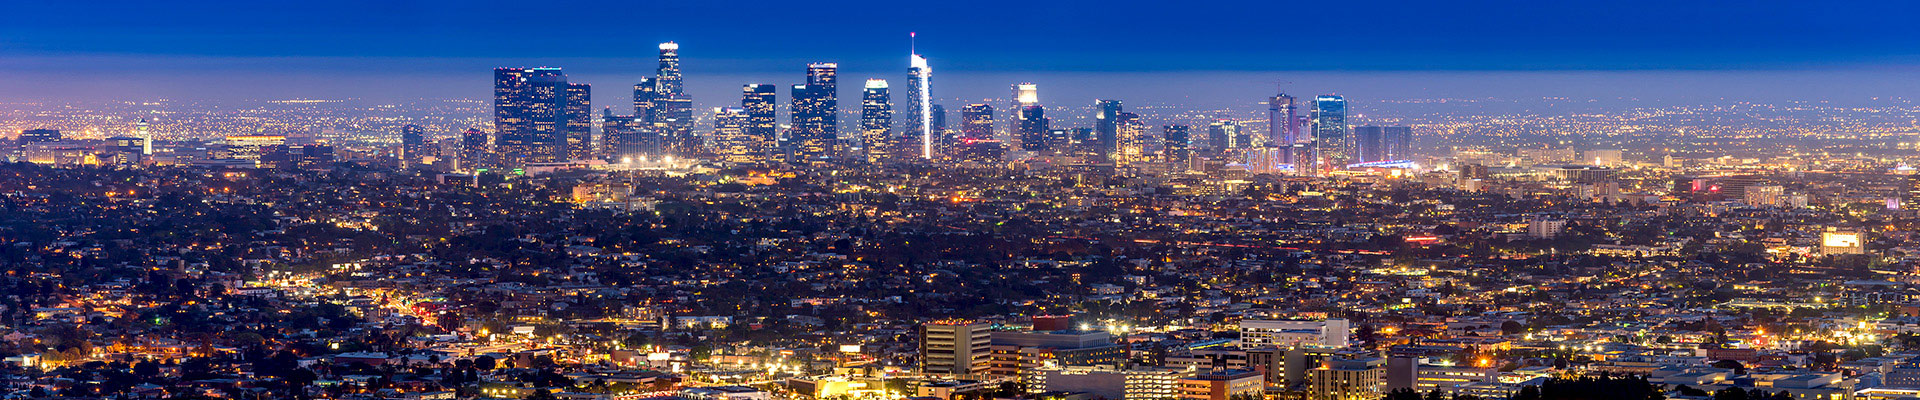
{"type": "Point", "coordinates": [1512, 327]}
{"type": "Point", "coordinates": [485, 363]}
{"type": "Point", "coordinates": [1402, 394]}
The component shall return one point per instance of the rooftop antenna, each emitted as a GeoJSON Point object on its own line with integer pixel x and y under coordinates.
{"type": "Point", "coordinates": [913, 42]}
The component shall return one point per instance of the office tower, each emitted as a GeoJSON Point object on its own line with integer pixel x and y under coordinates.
{"type": "Point", "coordinates": [921, 112]}
{"type": "Point", "coordinates": [669, 70]}
{"type": "Point", "coordinates": [1059, 140]}
{"type": "Point", "coordinates": [1105, 127]}
{"type": "Point", "coordinates": [1281, 131]}
{"type": "Point", "coordinates": [976, 122]}
{"type": "Point", "coordinates": [662, 102]}
{"type": "Point", "coordinates": [938, 114]}
{"type": "Point", "coordinates": [475, 149]}
{"type": "Point", "coordinates": [730, 135]}
{"type": "Point", "coordinates": [1130, 133]}
{"type": "Point", "coordinates": [646, 99]}
{"type": "Point", "coordinates": [146, 137]}
{"type": "Point", "coordinates": [1367, 145]}
{"type": "Point", "coordinates": [1224, 135]}
{"type": "Point", "coordinates": [413, 143]}
{"type": "Point", "coordinates": [1033, 129]}
{"type": "Point", "coordinates": [1178, 142]}
{"type": "Point", "coordinates": [675, 120]}
{"type": "Point", "coordinates": [626, 138]}
{"type": "Point", "coordinates": [976, 141]}
{"type": "Point", "coordinates": [579, 129]}
{"type": "Point", "coordinates": [957, 348]}
{"type": "Point", "coordinates": [1910, 197]}
{"type": "Point", "coordinates": [39, 136]}
{"type": "Point", "coordinates": [533, 110]}
{"type": "Point", "coordinates": [815, 128]}
{"type": "Point", "coordinates": [1330, 132]}
{"type": "Point", "coordinates": [876, 119]}
{"type": "Point", "coordinates": [1029, 118]}
{"type": "Point", "coordinates": [758, 100]}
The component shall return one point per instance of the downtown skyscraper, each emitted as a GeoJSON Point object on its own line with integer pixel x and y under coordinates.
{"type": "Point", "coordinates": [1030, 125]}
{"type": "Point", "coordinates": [758, 99]}
{"type": "Point", "coordinates": [1282, 132]}
{"type": "Point", "coordinates": [1330, 132]}
{"type": "Point", "coordinates": [1106, 128]}
{"type": "Point", "coordinates": [538, 115]}
{"type": "Point", "coordinates": [815, 130]}
{"type": "Point", "coordinates": [876, 122]}
{"type": "Point", "coordinates": [920, 108]}
{"type": "Point", "coordinates": [661, 102]}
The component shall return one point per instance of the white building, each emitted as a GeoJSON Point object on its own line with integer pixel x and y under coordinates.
{"type": "Point", "coordinates": [1289, 333]}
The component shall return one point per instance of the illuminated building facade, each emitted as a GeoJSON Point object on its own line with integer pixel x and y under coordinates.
{"type": "Point", "coordinates": [920, 109]}
{"type": "Point", "coordinates": [534, 114]}
{"type": "Point", "coordinates": [876, 121]}
{"type": "Point", "coordinates": [1281, 130]}
{"type": "Point", "coordinates": [476, 149]}
{"type": "Point", "coordinates": [413, 143]}
{"type": "Point", "coordinates": [758, 101]}
{"type": "Point", "coordinates": [1106, 127]}
{"type": "Point", "coordinates": [1176, 140]}
{"type": "Point", "coordinates": [1330, 130]}
{"type": "Point", "coordinates": [815, 130]}
{"type": "Point", "coordinates": [976, 141]}
{"type": "Point", "coordinates": [730, 132]}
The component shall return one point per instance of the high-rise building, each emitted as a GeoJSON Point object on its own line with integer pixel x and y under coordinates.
{"type": "Point", "coordinates": [646, 99]}
{"type": "Point", "coordinates": [1106, 127]}
{"type": "Point", "coordinates": [1177, 140]}
{"type": "Point", "coordinates": [31, 136]}
{"type": "Point", "coordinates": [413, 143]}
{"type": "Point", "coordinates": [959, 348]}
{"type": "Point", "coordinates": [976, 122]}
{"type": "Point", "coordinates": [533, 114]}
{"type": "Point", "coordinates": [662, 101]}
{"type": "Point", "coordinates": [758, 100]}
{"type": "Point", "coordinates": [1910, 196]}
{"type": "Point", "coordinates": [976, 141]}
{"type": "Point", "coordinates": [1224, 135]}
{"type": "Point", "coordinates": [876, 121]}
{"type": "Point", "coordinates": [1381, 143]}
{"type": "Point", "coordinates": [921, 112]}
{"type": "Point", "coordinates": [476, 149]}
{"type": "Point", "coordinates": [1132, 137]}
{"type": "Point", "coordinates": [1030, 122]}
{"type": "Point", "coordinates": [145, 133]}
{"type": "Point", "coordinates": [626, 138]}
{"type": "Point", "coordinates": [669, 70]}
{"type": "Point", "coordinates": [579, 125]}
{"type": "Point", "coordinates": [730, 134]}
{"type": "Point", "coordinates": [815, 128]}
{"type": "Point", "coordinates": [1281, 131]}
{"type": "Point", "coordinates": [1330, 131]}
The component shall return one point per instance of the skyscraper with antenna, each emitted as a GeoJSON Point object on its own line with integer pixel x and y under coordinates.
{"type": "Point", "coordinates": [919, 98]}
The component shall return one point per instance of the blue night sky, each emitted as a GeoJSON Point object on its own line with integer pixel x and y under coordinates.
{"type": "Point", "coordinates": [265, 49]}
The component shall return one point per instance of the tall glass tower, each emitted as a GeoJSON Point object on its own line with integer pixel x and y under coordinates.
{"type": "Point", "coordinates": [815, 120]}
{"type": "Point", "coordinates": [876, 119]}
{"type": "Point", "coordinates": [1106, 127]}
{"type": "Point", "coordinates": [1330, 131]}
{"type": "Point", "coordinates": [1280, 128]}
{"type": "Point", "coordinates": [758, 100]}
{"type": "Point", "coordinates": [920, 104]}
{"type": "Point", "coordinates": [533, 114]}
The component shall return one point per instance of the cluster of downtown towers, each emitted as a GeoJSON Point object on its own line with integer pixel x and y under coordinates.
{"type": "Point", "coordinates": [540, 117]}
